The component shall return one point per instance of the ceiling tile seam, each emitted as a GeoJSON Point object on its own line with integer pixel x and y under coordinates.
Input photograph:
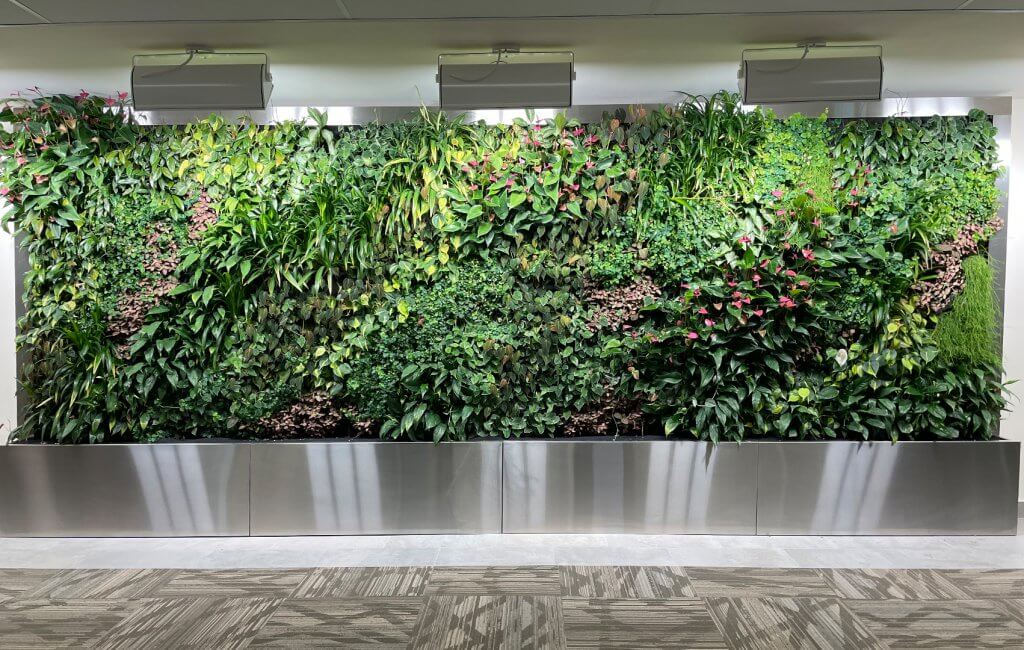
{"type": "Point", "coordinates": [29, 10]}
{"type": "Point", "coordinates": [964, 4]}
{"type": "Point", "coordinates": [345, 13]}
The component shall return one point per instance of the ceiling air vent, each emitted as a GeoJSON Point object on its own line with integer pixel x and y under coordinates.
{"type": "Point", "coordinates": [811, 72]}
{"type": "Point", "coordinates": [505, 78]}
{"type": "Point", "coordinates": [200, 80]}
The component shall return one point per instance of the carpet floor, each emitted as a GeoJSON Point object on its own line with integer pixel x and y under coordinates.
{"type": "Point", "coordinates": [512, 607]}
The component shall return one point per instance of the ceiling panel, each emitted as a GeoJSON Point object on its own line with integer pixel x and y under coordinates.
{"type": "Point", "coordinates": [393, 9]}
{"type": "Point", "coordinates": [11, 14]}
{"type": "Point", "coordinates": [1017, 5]}
{"type": "Point", "coordinates": [103, 11]}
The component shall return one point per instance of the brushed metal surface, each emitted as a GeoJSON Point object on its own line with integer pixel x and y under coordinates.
{"type": "Point", "coordinates": [361, 488]}
{"type": "Point", "coordinates": [878, 488]}
{"type": "Point", "coordinates": [160, 490]}
{"type": "Point", "coordinates": [629, 486]}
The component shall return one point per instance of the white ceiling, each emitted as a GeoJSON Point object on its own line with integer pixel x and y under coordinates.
{"type": "Point", "coordinates": [619, 60]}
{"type": "Point", "coordinates": [107, 11]}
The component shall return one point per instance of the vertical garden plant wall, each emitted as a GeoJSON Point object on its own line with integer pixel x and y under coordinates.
{"type": "Point", "coordinates": [699, 271]}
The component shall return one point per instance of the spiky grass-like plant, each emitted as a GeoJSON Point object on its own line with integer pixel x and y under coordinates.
{"type": "Point", "coordinates": [967, 331]}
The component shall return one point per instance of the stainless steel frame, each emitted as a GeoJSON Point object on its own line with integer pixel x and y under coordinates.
{"type": "Point", "coordinates": [361, 488]}
{"type": "Point", "coordinates": [362, 115]}
{"type": "Point", "coordinates": [630, 486]}
{"type": "Point", "coordinates": [156, 490]}
{"type": "Point", "coordinates": [879, 488]}
{"type": "Point", "coordinates": [530, 486]}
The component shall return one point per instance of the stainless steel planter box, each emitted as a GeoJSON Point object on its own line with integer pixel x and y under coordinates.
{"type": "Point", "coordinates": [878, 488]}
{"type": "Point", "coordinates": [361, 488]}
{"type": "Point", "coordinates": [536, 486]}
{"type": "Point", "coordinates": [629, 486]}
{"type": "Point", "coordinates": [124, 490]}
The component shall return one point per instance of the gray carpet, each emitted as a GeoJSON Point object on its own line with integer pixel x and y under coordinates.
{"type": "Point", "coordinates": [519, 607]}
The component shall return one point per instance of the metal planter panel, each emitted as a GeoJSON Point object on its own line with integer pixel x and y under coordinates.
{"type": "Point", "coordinates": [364, 488]}
{"type": "Point", "coordinates": [629, 486]}
{"type": "Point", "coordinates": [159, 490]}
{"type": "Point", "coordinates": [878, 488]}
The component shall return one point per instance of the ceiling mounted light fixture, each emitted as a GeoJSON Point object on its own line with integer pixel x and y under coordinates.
{"type": "Point", "coordinates": [201, 80]}
{"type": "Point", "coordinates": [811, 72]}
{"type": "Point", "coordinates": [505, 78]}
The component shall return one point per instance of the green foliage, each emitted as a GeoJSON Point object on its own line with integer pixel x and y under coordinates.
{"type": "Point", "coordinates": [699, 270]}
{"type": "Point", "coordinates": [966, 333]}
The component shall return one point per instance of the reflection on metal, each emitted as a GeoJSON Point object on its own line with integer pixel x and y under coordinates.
{"type": "Point", "coordinates": [362, 115]}
{"type": "Point", "coordinates": [878, 488]}
{"type": "Point", "coordinates": [124, 490]}
{"type": "Point", "coordinates": [358, 488]}
{"type": "Point", "coordinates": [536, 486]}
{"type": "Point", "coordinates": [629, 486]}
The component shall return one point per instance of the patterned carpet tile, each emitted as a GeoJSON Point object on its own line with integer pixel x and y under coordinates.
{"type": "Point", "coordinates": [625, 582]}
{"type": "Point", "coordinates": [769, 623]}
{"type": "Point", "coordinates": [940, 624]}
{"type": "Point", "coordinates": [349, 623]}
{"type": "Point", "coordinates": [616, 623]}
{"type": "Point", "coordinates": [718, 581]}
{"type": "Point", "coordinates": [101, 583]}
{"type": "Point", "coordinates": [71, 623]}
{"type": "Point", "coordinates": [248, 582]}
{"type": "Point", "coordinates": [901, 584]}
{"type": "Point", "coordinates": [536, 581]}
{"type": "Point", "coordinates": [992, 583]}
{"type": "Point", "coordinates": [457, 621]}
{"type": "Point", "coordinates": [363, 582]}
{"type": "Point", "coordinates": [15, 583]}
{"type": "Point", "coordinates": [222, 623]}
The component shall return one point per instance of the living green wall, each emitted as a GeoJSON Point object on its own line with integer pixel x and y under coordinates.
{"type": "Point", "coordinates": [699, 271]}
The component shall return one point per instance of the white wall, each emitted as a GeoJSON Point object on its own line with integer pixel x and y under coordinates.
{"type": "Point", "coordinates": [1013, 305]}
{"type": "Point", "coordinates": [8, 362]}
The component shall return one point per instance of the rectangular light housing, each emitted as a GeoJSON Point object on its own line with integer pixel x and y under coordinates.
{"type": "Point", "coordinates": [818, 74]}
{"type": "Point", "coordinates": [505, 80]}
{"type": "Point", "coordinates": [201, 81]}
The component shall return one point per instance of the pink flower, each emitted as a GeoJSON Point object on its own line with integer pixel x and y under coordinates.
{"type": "Point", "coordinates": [82, 96]}
{"type": "Point", "coordinates": [853, 192]}
{"type": "Point", "coordinates": [684, 285]}
{"type": "Point", "coordinates": [791, 273]}
{"type": "Point", "coordinates": [758, 312]}
{"type": "Point", "coordinates": [537, 127]}
{"type": "Point", "coordinates": [787, 302]}
{"type": "Point", "coordinates": [816, 222]}
{"type": "Point", "coordinates": [756, 278]}
{"type": "Point", "coordinates": [473, 163]}
{"type": "Point", "coordinates": [590, 164]}
{"type": "Point", "coordinates": [122, 96]}
{"type": "Point", "coordinates": [894, 229]}
{"type": "Point", "coordinates": [696, 292]}
{"type": "Point", "coordinates": [777, 194]}
{"type": "Point", "coordinates": [509, 182]}
{"type": "Point", "coordinates": [737, 294]}
{"type": "Point", "coordinates": [40, 178]}
{"type": "Point", "coordinates": [110, 101]}
{"type": "Point", "coordinates": [709, 322]}
{"type": "Point", "coordinates": [691, 335]}
{"type": "Point", "coordinates": [765, 263]}
{"type": "Point", "coordinates": [21, 160]}
{"type": "Point", "coordinates": [731, 283]}
{"type": "Point", "coordinates": [803, 283]}
{"type": "Point", "coordinates": [578, 131]}
{"type": "Point", "coordinates": [474, 187]}
{"type": "Point", "coordinates": [466, 168]}
{"type": "Point", "coordinates": [4, 191]}
{"type": "Point", "coordinates": [738, 304]}
{"type": "Point", "coordinates": [745, 240]}
{"type": "Point", "coordinates": [807, 253]}
{"type": "Point", "coordinates": [780, 213]}
{"type": "Point", "coordinates": [702, 311]}
{"type": "Point", "coordinates": [810, 193]}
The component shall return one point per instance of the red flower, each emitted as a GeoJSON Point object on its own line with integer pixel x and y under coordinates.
{"type": "Point", "coordinates": [122, 96]}
{"type": "Point", "coordinates": [110, 101]}
{"type": "Point", "coordinates": [696, 292]}
{"type": "Point", "coordinates": [82, 96]}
